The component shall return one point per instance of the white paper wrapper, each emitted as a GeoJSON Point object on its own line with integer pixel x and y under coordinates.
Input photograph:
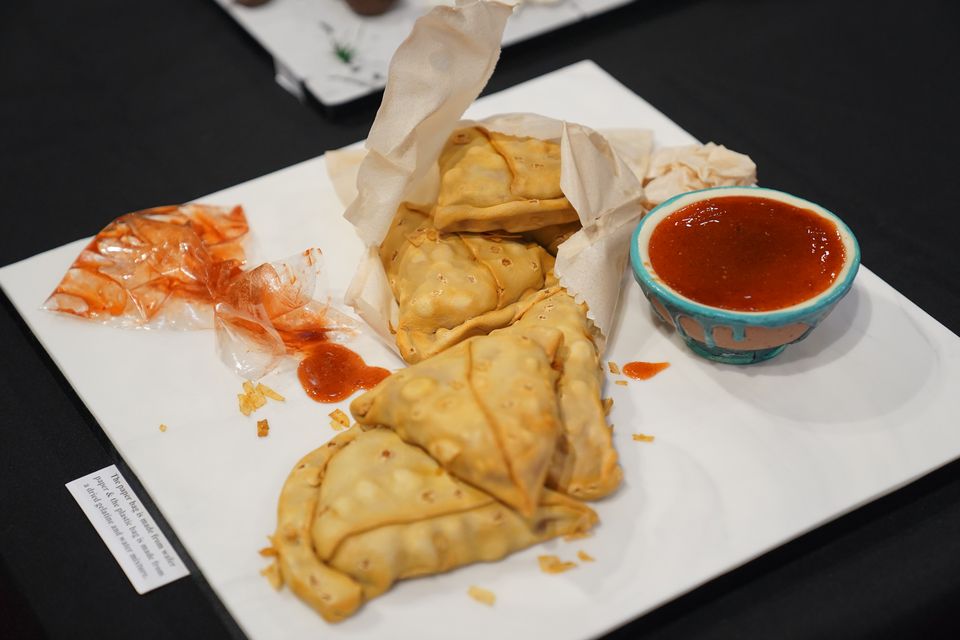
{"type": "Point", "coordinates": [634, 147]}
{"type": "Point", "coordinates": [673, 170]}
{"type": "Point", "coordinates": [676, 170]}
{"type": "Point", "coordinates": [342, 167]}
{"type": "Point", "coordinates": [434, 76]}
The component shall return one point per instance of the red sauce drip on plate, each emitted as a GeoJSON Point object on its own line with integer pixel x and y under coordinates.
{"type": "Point", "coordinates": [331, 372]}
{"type": "Point", "coordinates": [643, 370]}
{"type": "Point", "coordinates": [746, 253]}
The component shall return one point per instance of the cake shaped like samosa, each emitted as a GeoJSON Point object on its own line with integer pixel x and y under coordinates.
{"type": "Point", "coordinates": [552, 236]}
{"type": "Point", "coordinates": [585, 462]}
{"type": "Point", "coordinates": [486, 410]}
{"type": "Point", "coordinates": [367, 509]}
{"type": "Point", "coordinates": [451, 286]}
{"type": "Point", "coordinates": [491, 181]}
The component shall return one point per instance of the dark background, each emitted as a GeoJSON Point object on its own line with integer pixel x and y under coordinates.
{"type": "Point", "coordinates": [112, 106]}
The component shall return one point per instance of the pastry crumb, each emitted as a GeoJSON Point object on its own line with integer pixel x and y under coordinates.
{"type": "Point", "coordinates": [642, 437]}
{"type": "Point", "coordinates": [246, 408]}
{"type": "Point", "coordinates": [614, 369]}
{"type": "Point", "coordinates": [163, 427]}
{"type": "Point", "coordinates": [553, 564]}
{"type": "Point", "coordinates": [607, 405]}
{"type": "Point", "coordinates": [622, 383]}
{"type": "Point", "coordinates": [269, 393]}
{"type": "Point", "coordinates": [585, 557]}
{"type": "Point", "coordinates": [340, 420]}
{"type": "Point", "coordinates": [268, 552]}
{"type": "Point", "coordinates": [481, 595]}
{"type": "Point", "coordinates": [254, 397]}
{"type": "Point", "coordinates": [263, 428]}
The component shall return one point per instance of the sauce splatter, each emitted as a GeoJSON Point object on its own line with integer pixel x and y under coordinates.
{"type": "Point", "coordinates": [644, 370]}
{"type": "Point", "coordinates": [331, 372]}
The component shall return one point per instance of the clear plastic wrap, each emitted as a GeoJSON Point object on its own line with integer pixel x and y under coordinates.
{"type": "Point", "coordinates": [180, 267]}
{"type": "Point", "coordinates": [274, 311]}
{"type": "Point", "coordinates": [156, 268]}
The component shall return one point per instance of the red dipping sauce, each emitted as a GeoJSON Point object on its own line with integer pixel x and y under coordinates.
{"type": "Point", "coordinates": [643, 370]}
{"type": "Point", "coordinates": [331, 372]}
{"type": "Point", "coordinates": [746, 253]}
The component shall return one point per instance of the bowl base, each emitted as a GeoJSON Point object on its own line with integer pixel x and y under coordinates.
{"type": "Point", "coordinates": [728, 356]}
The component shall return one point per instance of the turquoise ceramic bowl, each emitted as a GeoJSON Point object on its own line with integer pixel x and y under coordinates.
{"type": "Point", "coordinates": [738, 337]}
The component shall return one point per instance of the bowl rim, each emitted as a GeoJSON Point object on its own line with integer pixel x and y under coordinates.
{"type": "Point", "coordinates": [804, 310]}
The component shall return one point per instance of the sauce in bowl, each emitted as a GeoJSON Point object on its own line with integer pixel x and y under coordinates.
{"type": "Point", "coordinates": [746, 253]}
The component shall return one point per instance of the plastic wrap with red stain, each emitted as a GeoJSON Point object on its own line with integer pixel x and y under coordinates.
{"type": "Point", "coordinates": [154, 268]}
{"type": "Point", "coordinates": [180, 267]}
{"type": "Point", "coordinates": [274, 311]}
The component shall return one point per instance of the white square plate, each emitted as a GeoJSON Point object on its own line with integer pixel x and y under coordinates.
{"type": "Point", "coordinates": [744, 459]}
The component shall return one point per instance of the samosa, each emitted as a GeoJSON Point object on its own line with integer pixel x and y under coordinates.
{"type": "Point", "coordinates": [367, 509]}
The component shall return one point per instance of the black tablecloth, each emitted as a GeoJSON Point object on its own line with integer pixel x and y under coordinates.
{"type": "Point", "coordinates": [112, 106]}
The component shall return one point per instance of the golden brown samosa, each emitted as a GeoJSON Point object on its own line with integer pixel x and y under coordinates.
{"type": "Point", "coordinates": [367, 509]}
{"type": "Point", "coordinates": [491, 181]}
{"type": "Point", "coordinates": [485, 409]}
{"type": "Point", "coordinates": [450, 287]}
{"type": "Point", "coordinates": [585, 462]}
{"type": "Point", "coordinates": [551, 237]}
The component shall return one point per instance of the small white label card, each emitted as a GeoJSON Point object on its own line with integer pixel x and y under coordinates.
{"type": "Point", "coordinates": [128, 530]}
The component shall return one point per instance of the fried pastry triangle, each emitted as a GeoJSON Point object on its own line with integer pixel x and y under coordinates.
{"type": "Point", "coordinates": [534, 165]}
{"type": "Point", "coordinates": [491, 181]}
{"type": "Point", "coordinates": [450, 287]}
{"type": "Point", "coordinates": [585, 462]}
{"type": "Point", "coordinates": [332, 594]}
{"type": "Point", "coordinates": [551, 237]}
{"type": "Point", "coordinates": [485, 409]}
{"type": "Point", "coordinates": [369, 509]}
